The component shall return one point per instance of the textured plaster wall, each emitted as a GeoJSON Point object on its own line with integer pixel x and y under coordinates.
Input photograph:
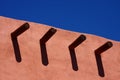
{"type": "Point", "coordinates": [59, 59]}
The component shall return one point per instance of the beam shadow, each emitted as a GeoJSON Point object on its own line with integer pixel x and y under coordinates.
{"type": "Point", "coordinates": [73, 59]}
{"type": "Point", "coordinates": [14, 36]}
{"type": "Point", "coordinates": [99, 65]}
{"type": "Point", "coordinates": [72, 47]}
{"type": "Point", "coordinates": [16, 49]}
{"type": "Point", "coordinates": [98, 52]}
{"type": "Point", "coordinates": [43, 49]}
{"type": "Point", "coordinates": [44, 54]}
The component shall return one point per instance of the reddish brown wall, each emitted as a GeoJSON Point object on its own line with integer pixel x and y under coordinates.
{"type": "Point", "coordinates": [59, 67]}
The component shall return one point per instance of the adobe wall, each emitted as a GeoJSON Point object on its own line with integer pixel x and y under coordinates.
{"type": "Point", "coordinates": [63, 62]}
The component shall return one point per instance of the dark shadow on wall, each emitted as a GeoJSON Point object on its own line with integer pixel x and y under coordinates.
{"type": "Point", "coordinates": [73, 59]}
{"type": "Point", "coordinates": [44, 55]}
{"type": "Point", "coordinates": [99, 65]}
{"type": "Point", "coordinates": [16, 49]}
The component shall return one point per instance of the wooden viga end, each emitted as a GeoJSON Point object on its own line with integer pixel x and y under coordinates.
{"type": "Point", "coordinates": [31, 51]}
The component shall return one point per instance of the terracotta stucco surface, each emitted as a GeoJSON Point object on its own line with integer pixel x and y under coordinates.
{"type": "Point", "coordinates": [60, 66]}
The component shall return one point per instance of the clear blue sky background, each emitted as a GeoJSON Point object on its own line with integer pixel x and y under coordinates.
{"type": "Point", "coordinates": [99, 17]}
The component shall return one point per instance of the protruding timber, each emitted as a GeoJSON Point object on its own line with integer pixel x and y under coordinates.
{"type": "Point", "coordinates": [72, 47]}
{"type": "Point", "coordinates": [104, 47]}
{"type": "Point", "coordinates": [14, 36]}
{"type": "Point", "coordinates": [98, 52]}
{"type": "Point", "coordinates": [43, 41]}
{"type": "Point", "coordinates": [20, 30]}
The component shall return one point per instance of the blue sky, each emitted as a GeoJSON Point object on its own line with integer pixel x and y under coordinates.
{"type": "Point", "coordinates": [99, 17]}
